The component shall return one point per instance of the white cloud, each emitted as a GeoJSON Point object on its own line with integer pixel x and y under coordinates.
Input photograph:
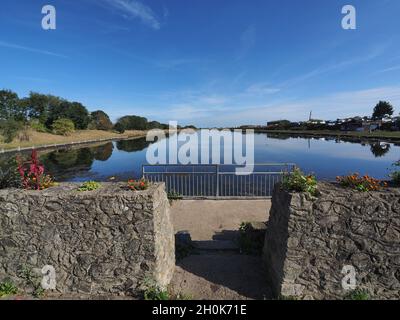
{"type": "Point", "coordinates": [135, 9]}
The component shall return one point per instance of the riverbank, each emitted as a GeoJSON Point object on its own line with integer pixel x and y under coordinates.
{"type": "Point", "coordinates": [376, 135]}
{"type": "Point", "coordinates": [47, 140]}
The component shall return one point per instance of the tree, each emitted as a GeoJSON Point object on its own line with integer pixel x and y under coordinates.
{"type": "Point", "coordinates": [382, 109]}
{"type": "Point", "coordinates": [63, 127]}
{"type": "Point", "coordinates": [39, 106]}
{"type": "Point", "coordinates": [119, 127]}
{"type": "Point", "coordinates": [78, 114]}
{"type": "Point", "coordinates": [74, 111]}
{"type": "Point", "coordinates": [133, 123]}
{"type": "Point", "coordinates": [100, 121]}
{"type": "Point", "coordinates": [11, 106]}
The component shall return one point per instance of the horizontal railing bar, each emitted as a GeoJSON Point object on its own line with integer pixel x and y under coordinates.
{"type": "Point", "coordinates": [252, 173]}
{"type": "Point", "coordinates": [176, 172]}
{"type": "Point", "coordinates": [221, 165]}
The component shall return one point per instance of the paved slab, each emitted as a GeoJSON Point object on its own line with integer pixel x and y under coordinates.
{"type": "Point", "coordinates": [217, 219]}
{"type": "Point", "coordinates": [221, 277]}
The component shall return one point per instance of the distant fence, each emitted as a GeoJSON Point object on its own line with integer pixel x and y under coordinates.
{"type": "Point", "coordinates": [218, 181]}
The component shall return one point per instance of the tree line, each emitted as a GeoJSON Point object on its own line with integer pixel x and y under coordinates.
{"type": "Point", "coordinates": [48, 113]}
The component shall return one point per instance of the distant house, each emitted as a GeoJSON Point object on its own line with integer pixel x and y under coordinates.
{"type": "Point", "coordinates": [351, 124]}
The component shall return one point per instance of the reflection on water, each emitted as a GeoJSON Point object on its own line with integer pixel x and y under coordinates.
{"type": "Point", "coordinates": [380, 149]}
{"type": "Point", "coordinates": [69, 162]}
{"type": "Point", "coordinates": [326, 157]}
{"type": "Point", "coordinates": [132, 145]}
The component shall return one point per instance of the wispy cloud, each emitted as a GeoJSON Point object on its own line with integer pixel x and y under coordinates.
{"type": "Point", "coordinates": [262, 89]}
{"type": "Point", "coordinates": [247, 41]}
{"type": "Point", "coordinates": [135, 9]}
{"type": "Point", "coordinates": [395, 68]}
{"type": "Point", "coordinates": [341, 104]}
{"type": "Point", "coordinates": [231, 112]}
{"type": "Point", "coordinates": [29, 49]}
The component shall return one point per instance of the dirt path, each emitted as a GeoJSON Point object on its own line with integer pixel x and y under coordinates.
{"type": "Point", "coordinates": [219, 274]}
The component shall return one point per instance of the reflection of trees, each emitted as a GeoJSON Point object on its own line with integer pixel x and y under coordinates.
{"type": "Point", "coordinates": [67, 163]}
{"type": "Point", "coordinates": [132, 145]}
{"type": "Point", "coordinates": [279, 136]}
{"type": "Point", "coordinates": [379, 150]}
{"type": "Point", "coordinates": [103, 152]}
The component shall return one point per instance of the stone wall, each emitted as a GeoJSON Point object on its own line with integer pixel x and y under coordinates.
{"type": "Point", "coordinates": [101, 242]}
{"type": "Point", "coordinates": [309, 241]}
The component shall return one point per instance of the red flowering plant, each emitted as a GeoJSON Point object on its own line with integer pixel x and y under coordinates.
{"type": "Point", "coordinates": [32, 173]}
{"type": "Point", "coordinates": [137, 185]}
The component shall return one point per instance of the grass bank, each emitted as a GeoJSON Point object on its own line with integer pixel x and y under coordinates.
{"type": "Point", "coordinates": [40, 139]}
{"type": "Point", "coordinates": [389, 135]}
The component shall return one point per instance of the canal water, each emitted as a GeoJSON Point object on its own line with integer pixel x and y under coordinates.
{"type": "Point", "coordinates": [325, 157]}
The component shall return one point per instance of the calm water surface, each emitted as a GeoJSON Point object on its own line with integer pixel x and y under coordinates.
{"type": "Point", "coordinates": [327, 158]}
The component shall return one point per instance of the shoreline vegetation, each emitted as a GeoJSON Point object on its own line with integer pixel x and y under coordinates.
{"type": "Point", "coordinates": [391, 136]}
{"type": "Point", "coordinates": [40, 140]}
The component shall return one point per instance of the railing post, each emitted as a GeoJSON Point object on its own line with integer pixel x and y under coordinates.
{"type": "Point", "coordinates": [217, 173]}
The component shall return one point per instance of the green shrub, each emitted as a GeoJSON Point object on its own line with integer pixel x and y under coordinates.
{"type": "Point", "coordinates": [9, 129]}
{"type": "Point", "coordinates": [89, 186]}
{"type": "Point", "coordinates": [251, 237]}
{"type": "Point", "coordinates": [357, 294]}
{"type": "Point", "coordinates": [38, 126]}
{"type": "Point", "coordinates": [297, 181]}
{"type": "Point", "coordinates": [7, 288]}
{"type": "Point", "coordinates": [63, 127]}
{"type": "Point", "coordinates": [395, 175]}
{"type": "Point", "coordinates": [9, 176]}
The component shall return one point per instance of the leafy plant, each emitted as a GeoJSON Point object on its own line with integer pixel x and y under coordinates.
{"type": "Point", "coordinates": [251, 240]}
{"type": "Point", "coordinates": [141, 184]}
{"type": "Point", "coordinates": [362, 184]}
{"type": "Point", "coordinates": [7, 288]}
{"type": "Point", "coordinates": [32, 174]}
{"type": "Point", "coordinates": [32, 280]}
{"type": "Point", "coordinates": [9, 177]}
{"type": "Point", "coordinates": [153, 291]}
{"type": "Point", "coordinates": [63, 127]}
{"type": "Point", "coordinates": [299, 182]}
{"type": "Point", "coordinates": [357, 294]}
{"type": "Point", "coordinates": [89, 186]}
{"type": "Point", "coordinates": [395, 175]}
{"type": "Point", "coordinates": [173, 195]}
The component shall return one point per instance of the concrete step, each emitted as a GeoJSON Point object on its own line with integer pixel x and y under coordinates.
{"type": "Point", "coordinates": [216, 245]}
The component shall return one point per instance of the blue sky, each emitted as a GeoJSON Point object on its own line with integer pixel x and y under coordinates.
{"type": "Point", "coordinates": [208, 62]}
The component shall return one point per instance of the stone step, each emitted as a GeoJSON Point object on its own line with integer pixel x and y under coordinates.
{"type": "Point", "coordinates": [215, 245]}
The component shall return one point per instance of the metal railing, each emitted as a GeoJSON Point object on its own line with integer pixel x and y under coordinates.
{"type": "Point", "coordinates": [218, 181]}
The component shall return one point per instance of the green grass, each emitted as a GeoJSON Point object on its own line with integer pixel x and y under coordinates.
{"type": "Point", "coordinates": [357, 294]}
{"type": "Point", "coordinates": [7, 288]}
